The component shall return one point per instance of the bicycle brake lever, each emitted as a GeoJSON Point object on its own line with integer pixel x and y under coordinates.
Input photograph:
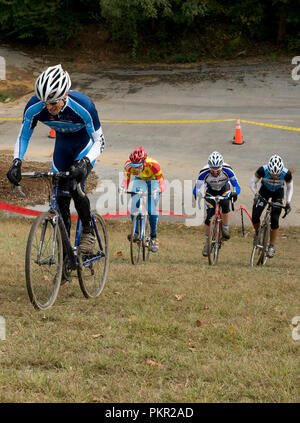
{"type": "Point", "coordinates": [19, 189]}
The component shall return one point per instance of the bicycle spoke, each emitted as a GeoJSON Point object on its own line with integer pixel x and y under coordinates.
{"type": "Point", "coordinates": [92, 269]}
{"type": "Point", "coordinates": [136, 245]}
{"type": "Point", "coordinates": [43, 264]}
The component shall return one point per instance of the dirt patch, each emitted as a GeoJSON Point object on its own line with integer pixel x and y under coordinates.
{"type": "Point", "coordinates": [37, 190]}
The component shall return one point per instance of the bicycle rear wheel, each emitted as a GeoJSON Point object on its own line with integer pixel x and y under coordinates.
{"type": "Point", "coordinates": [44, 261]}
{"type": "Point", "coordinates": [92, 268]}
{"type": "Point", "coordinates": [146, 240]}
{"type": "Point", "coordinates": [136, 245]}
{"type": "Point", "coordinates": [213, 241]}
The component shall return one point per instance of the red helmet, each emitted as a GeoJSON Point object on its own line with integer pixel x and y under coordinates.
{"type": "Point", "coordinates": [138, 156]}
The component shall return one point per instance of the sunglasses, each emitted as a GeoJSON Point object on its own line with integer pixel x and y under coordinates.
{"type": "Point", "coordinates": [51, 102]}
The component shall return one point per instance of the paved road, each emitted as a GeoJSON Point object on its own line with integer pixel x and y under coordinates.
{"type": "Point", "coordinates": [258, 92]}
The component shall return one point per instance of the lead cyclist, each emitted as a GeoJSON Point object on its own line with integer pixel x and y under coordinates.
{"type": "Point", "coordinates": [79, 141]}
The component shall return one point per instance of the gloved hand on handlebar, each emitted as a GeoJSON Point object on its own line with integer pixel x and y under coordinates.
{"type": "Point", "coordinates": [256, 198]}
{"type": "Point", "coordinates": [80, 169]}
{"type": "Point", "coordinates": [233, 196]}
{"type": "Point", "coordinates": [14, 173]}
{"type": "Point", "coordinates": [122, 189]}
{"type": "Point", "coordinates": [287, 208]}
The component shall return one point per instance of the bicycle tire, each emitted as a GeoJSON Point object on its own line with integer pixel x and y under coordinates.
{"type": "Point", "coordinates": [46, 268]}
{"type": "Point", "coordinates": [92, 275]}
{"type": "Point", "coordinates": [136, 246]}
{"type": "Point", "coordinates": [256, 253]}
{"type": "Point", "coordinates": [266, 241]}
{"type": "Point", "coordinates": [213, 241]}
{"type": "Point", "coordinates": [146, 240]}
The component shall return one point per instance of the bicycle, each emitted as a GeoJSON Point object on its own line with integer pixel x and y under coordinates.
{"type": "Point", "coordinates": [215, 238]}
{"type": "Point", "coordinates": [49, 253]}
{"type": "Point", "coordinates": [140, 240]}
{"type": "Point", "coordinates": [262, 239]}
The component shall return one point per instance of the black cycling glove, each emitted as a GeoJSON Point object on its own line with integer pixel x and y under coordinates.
{"type": "Point", "coordinates": [234, 196]}
{"type": "Point", "coordinates": [14, 173]}
{"type": "Point", "coordinates": [80, 169]}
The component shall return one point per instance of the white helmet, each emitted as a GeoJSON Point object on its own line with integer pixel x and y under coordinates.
{"type": "Point", "coordinates": [275, 165]}
{"type": "Point", "coordinates": [52, 84]}
{"type": "Point", "coordinates": [215, 159]}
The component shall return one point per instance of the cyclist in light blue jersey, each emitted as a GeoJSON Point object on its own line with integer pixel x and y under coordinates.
{"type": "Point", "coordinates": [217, 177]}
{"type": "Point", "coordinates": [79, 141]}
{"type": "Point", "coordinates": [273, 176]}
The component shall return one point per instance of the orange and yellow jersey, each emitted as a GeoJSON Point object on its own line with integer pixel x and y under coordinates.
{"type": "Point", "coordinates": [152, 170]}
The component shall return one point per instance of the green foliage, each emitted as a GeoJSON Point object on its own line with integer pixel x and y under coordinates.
{"type": "Point", "coordinates": [144, 25]}
{"type": "Point", "coordinates": [52, 21]}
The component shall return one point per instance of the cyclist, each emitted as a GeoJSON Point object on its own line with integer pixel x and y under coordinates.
{"type": "Point", "coordinates": [273, 177]}
{"type": "Point", "coordinates": [79, 141]}
{"type": "Point", "coordinates": [147, 177]}
{"type": "Point", "coordinates": [217, 177]}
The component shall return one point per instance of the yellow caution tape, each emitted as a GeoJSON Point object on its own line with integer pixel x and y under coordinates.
{"type": "Point", "coordinates": [289, 128]}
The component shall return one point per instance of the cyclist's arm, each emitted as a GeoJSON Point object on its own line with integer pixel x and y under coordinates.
{"type": "Point", "coordinates": [126, 175]}
{"type": "Point", "coordinates": [90, 116]}
{"type": "Point", "coordinates": [32, 108]}
{"type": "Point", "coordinates": [233, 179]}
{"type": "Point", "coordinates": [289, 191]}
{"type": "Point", "coordinates": [98, 145]}
{"type": "Point", "coordinates": [197, 187]}
{"type": "Point", "coordinates": [253, 184]}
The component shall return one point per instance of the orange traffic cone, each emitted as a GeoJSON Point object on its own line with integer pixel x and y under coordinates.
{"type": "Point", "coordinates": [238, 139]}
{"type": "Point", "coordinates": [52, 133]}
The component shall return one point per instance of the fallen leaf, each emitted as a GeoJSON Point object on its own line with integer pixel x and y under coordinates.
{"type": "Point", "coordinates": [198, 323]}
{"type": "Point", "coordinates": [97, 335]}
{"type": "Point", "coordinates": [132, 318]}
{"type": "Point", "coordinates": [179, 297]}
{"type": "Point", "coordinates": [187, 383]}
{"type": "Point", "coordinates": [193, 349]}
{"type": "Point", "coordinates": [117, 293]}
{"type": "Point", "coordinates": [118, 253]}
{"type": "Point", "coordinates": [153, 363]}
{"type": "Point", "coordinates": [235, 345]}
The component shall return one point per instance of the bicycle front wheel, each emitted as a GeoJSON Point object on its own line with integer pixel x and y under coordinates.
{"type": "Point", "coordinates": [213, 241]}
{"type": "Point", "coordinates": [44, 261]}
{"type": "Point", "coordinates": [92, 268]}
{"type": "Point", "coordinates": [146, 240]}
{"type": "Point", "coordinates": [259, 251]}
{"type": "Point", "coordinates": [135, 241]}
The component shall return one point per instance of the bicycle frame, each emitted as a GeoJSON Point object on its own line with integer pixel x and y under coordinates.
{"type": "Point", "coordinates": [261, 242]}
{"type": "Point", "coordinates": [58, 220]}
{"type": "Point", "coordinates": [215, 238]}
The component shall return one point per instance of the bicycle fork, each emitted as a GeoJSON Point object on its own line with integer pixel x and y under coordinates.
{"type": "Point", "coordinates": [50, 260]}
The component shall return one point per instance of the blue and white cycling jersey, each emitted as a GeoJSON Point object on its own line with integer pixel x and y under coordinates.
{"type": "Point", "coordinates": [270, 183]}
{"type": "Point", "coordinates": [77, 125]}
{"type": "Point", "coordinates": [216, 183]}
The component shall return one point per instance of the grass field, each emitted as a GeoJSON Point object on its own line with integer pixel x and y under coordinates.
{"type": "Point", "coordinates": [174, 330]}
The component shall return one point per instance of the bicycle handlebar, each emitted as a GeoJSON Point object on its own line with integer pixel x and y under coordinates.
{"type": "Point", "coordinates": [218, 198]}
{"type": "Point", "coordinates": [272, 204]}
{"type": "Point", "coordinates": [47, 175]}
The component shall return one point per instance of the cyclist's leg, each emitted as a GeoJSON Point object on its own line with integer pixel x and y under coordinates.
{"type": "Point", "coordinates": [277, 197]}
{"type": "Point", "coordinates": [210, 211]}
{"type": "Point", "coordinates": [153, 213]}
{"type": "Point", "coordinates": [257, 209]}
{"type": "Point", "coordinates": [225, 210]}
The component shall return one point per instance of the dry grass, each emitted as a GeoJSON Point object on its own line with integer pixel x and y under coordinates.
{"type": "Point", "coordinates": [174, 330]}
